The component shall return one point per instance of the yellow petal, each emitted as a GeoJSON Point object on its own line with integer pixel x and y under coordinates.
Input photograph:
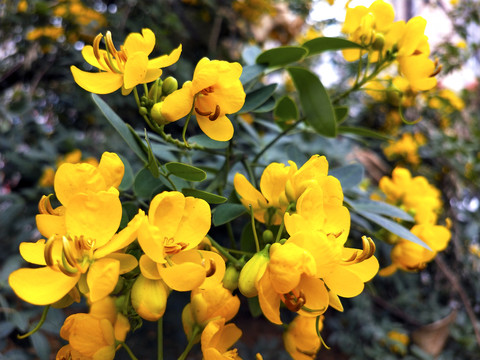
{"type": "Point", "coordinates": [334, 301]}
{"type": "Point", "coordinates": [112, 169]}
{"type": "Point", "coordinates": [344, 282]}
{"type": "Point", "coordinates": [195, 222]}
{"type": "Point", "coordinates": [123, 238]}
{"type": "Point", "coordinates": [269, 299]}
{"type": "Point", "coordinates": [316, 296]}
{"type": "Point", "coordinates": [95, 216]}
{"type": "Point", "coordinates": [272, 182]}
{"type": "Point", "coordinates": [71, 179]}
{"type": "Point", "coordinates": [220, 129]}
{"type": "Point", "coordinates": [166, 60]}
{"type": "Point", "coordinates": [229, 336]}
{"type": "Point", "coordinates": [102, 278]}
{"type": "Point", "coordinates": [152, 75]}
{"type": "Point", "coordinates": [151, 241]}
{"type": "Point", "coordinates": [384, 15]}
{"type": "Point", "coordinates": [121, 327]}
{"type": "Point", "coordinates": [98, 82]}
{"type": "Point", "coordinates": [42, 286]}
{"type": "Point", "coordinates": [89, 56]}
{"type": "Point", "coordinates": [149, 298]}
{"type": "Point", "coordinates": [366, 269]}
{"type": "Point", "coordinates": [149, 268]}
{"type": "Point", "coordinates": [33, 252]}
{"type": "Point", "coordinates": [127, 262]}
{"type": "Point", "coordinates": [166, 212]}
{"type": "Point", "coordinates": [183, 277]}
{"type": "Point", "coordinates": [143, 43]}
{"type": "Point", "coordinates": [178, 104]}
{"type": "Point", "coordinates": [135, 70]}
{"type": "Point", "coordinates": [206, 74]}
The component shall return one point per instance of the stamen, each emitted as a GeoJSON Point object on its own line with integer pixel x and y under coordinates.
{"type": "Point", "coordinates": [109, 43]}
{"type": "Point", "coordinates": [212, 268]}
{"type": "Point", "coordinates": [45, 207]}
{"type": "Point", "coordinates": [294, 303]}
{"type": "Point", "coordinates": [69, 270]}
{"type": "Point", "coordinates": [110, 64]}
{"type": "Point", "coordinates": [207, 91]}
{"type": "Point", "coordinates": [203, 113]}
{"type": "Point", "coordinates": [437, 70]}
{"type": "Point", "coordinates": [96, 47]}
{"type": "Point", "coordinates": [367, 252]}
{"type": "Point", "coordinates": [69, 252]}
{"type": "Point", "coordinates": [215, 115]}
{"type": "Point", "coordinates": [48, 251]}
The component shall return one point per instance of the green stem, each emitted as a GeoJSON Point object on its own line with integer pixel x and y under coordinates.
{"type": "Point", "coordinates": [255, 236]}
{"type": "Point", "coordinates": [160, 338]}
{"type": "Point", "coordinates": [251, 176]}
{"type": "Point", "coordinates": [195, 332]}
{"type": "Point", "coordinates": [129, 351]}
{"type": "Point", "coordinates": [278, 137]}
{"type": "Point", "coordinates": [38, 326]}
{"type": "Point", "coordinates": [224, 252]}
{"type": "Point", "coordinates": [137, 99]}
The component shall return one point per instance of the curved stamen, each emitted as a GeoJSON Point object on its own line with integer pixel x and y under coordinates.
{"type": "Point", "coordinates": [215, 115]}
{"type": "Point", "coordinates": [211, 270]}
{"type": "Point", "coordinates": [367, 252]}
{"type": "Point", "coordinates": [203, 113]}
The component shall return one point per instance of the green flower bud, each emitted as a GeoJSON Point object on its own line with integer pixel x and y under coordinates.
{"type": "Point", "coordinates": [230, 279]}
{"type": "Point", "coordinates": [268, 237]}
{"type": "Point", "coordinates": [143, 111]}
{"type": "Point", "coordinates": [253, 270]}
{"type": "Point", "coordinates": [157, 85]}
{"type": "Point", "coordinates": [379, 42]}
{"type": "Point", "coordinates": [156, 114]}
{"type": "Point", "coordinates": [170, 84]}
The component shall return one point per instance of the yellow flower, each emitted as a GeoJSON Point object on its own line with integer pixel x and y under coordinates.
{"type": "Point", "coordinates": [416, 195]}
{"type": "Point", "coordinates": [215, 91]}
{"type": "Point", "coordinates": [175, 223]}
{"type": "Point", "coordinates": [81, 237]}
{"type": "Point", "coordinates": [93, 335]}
{"type": "Point", "coordinates": [124, 68]}
{"type": "Point", "coordinates": [281, 185]}
{"type": "Point", "coordinates": [406, 147]}
{"type": "Point", "coordinates": [217, 338]}
{"type": "Point", "coordinates": [409, 256]}
{"type": "Point", "coordinates": [301, 339]}
{"type": "Point", "coordinates": [208, 304]}
{"type": "Point", "coordinates": [398, 341]}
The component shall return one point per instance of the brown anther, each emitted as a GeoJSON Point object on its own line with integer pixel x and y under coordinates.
{"type": "Point", "coordinates": [367, 252]}
{"type": "Point", "coordinates": [96, 46]}
{"type": "Point", "coordinates": [45, 207]}
{"type": "Point", "coordinates": [335, 235]}
{"type": "Point", "coordinates": [207, 91]}
{"type": "Point", "coordinates": [109, 43]}
{"type": "Point", "coordinates": [48, 251]}
{"type": "Point", "coordinates": [110, 66]}
{"type": "Point", "coordinates": [437, 71]}
{"type": "Point", "coordinates": [211, 270]}
{"type": "Point", "coordinates": [294, 303]}
{"type": "Point", "coordinates": [417, 52]}
{"type": "Point", "coordinates": [203, 113]}
{"type": "Point", "coordinates": [215, 115]}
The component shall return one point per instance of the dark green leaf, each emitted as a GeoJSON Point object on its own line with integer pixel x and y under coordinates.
{"type": "Point", "coordinates": [349, 175]}
{"type": "Point", "coordinates": [381, 208]}
{"type": "Point", "coordinates": [280, 56]}
{"type": "Point", "coordinates": [251, 72]}
{"type": "Point", "coordinates": [41, 345]}
{"type": "Point", "coordinates": [321, 44]}
{"type": "Point", "coordinates": [267, 106]}
{"type": "Point", "coordinates": [393, 227]}
{"type": "Point", "coordinates": [207, 196]}
{"type": "Point", "coordinates": [205, 141]}
{"type": "Point", "coordinates": [286, 111]}
{"type": "Point", "coordinates": [225, 213]}
{"type": "Point", "coordinates": [341, 113]}
{"type": "Point", "coordinates": [187, 172]}
{"type": "Point", "coordinates": [121, 127]}
{"type": "Point", "coordinates": [247, 240]}
{"type": "Point", "coordinates": [254, 306]}
{"type": "Point", "coordinates": [145, 183]}
{"type": "Point", "coordinates": [257, 97]}
{"type": "Point", "coordinates": [152, 160]}
{"type": "Point", "coordinates": [315, 101]}
{"type": "Point", "coordinates": [361, 131]}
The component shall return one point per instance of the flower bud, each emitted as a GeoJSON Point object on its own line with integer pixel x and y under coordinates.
{"type": "Point", "coordinates": [268, 237]}
{"type": "Point", "coordinates": [379, 42]}
{"type": "Point", "coordinates": [156, 114]}
{"type": "Point", "coordinates": [230, 279]}
{"type": "Point", "coordinates": [157, 86]}
{"type": "Point", "coordinates": [253, 270]}
{"type": "Point", "coordinates": [149, 298]}
{"type": "Point", "coordinates": [170, 84]}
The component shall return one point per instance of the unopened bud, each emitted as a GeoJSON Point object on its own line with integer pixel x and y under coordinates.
{"type": "Point", "coordinates": [379, 42]}
{"type": "Point", "coordinates": [156, 114]}
{"type": "Point", "coordinates": [268, 237]}
{"type": "Point", "coordinates": [230, 279]}
{"type": "Point", "coordinates": [253, 270]}
{"type": "Point", "coordinates": [149, 298]}
{"type": "Point", "coordinates": [170, 84]}
{"type": "Point", "coordinates": [143, 111]}
{"type": "Point", "coordinates": [156, 88]}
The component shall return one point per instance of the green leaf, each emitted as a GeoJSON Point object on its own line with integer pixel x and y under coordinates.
{"type": "Point", "coordinates": [128, 177]}
{"type": "Point", "coordinates": [286, 111]}
{"type": "Point", "coordinates": [341, 113]}
{"type": "Point", "coordinates": [267, 106]}
{"type": "Point", "coordinates": [349, 175]}
{"type": "Point", "coordinates": [381, 208]}
{"type": "Point", "coordinates": [152, 160]}
{"type": "Point", "coordinates": [41, 345]}
{"type": "Point", "coordinates": [257, 97]}
{"type": "Point", "coordinates": [321, 44]}
{"type": "Point", "coordinates": [121, 128]}
{"type": "Point", "coordinates": [145, 183]}
{"type": "Point", "coordinates": [280, 56]}
{"type": "Point", "coordinates": [254, 306]}
{"type": "Point", "coordinates": [207, 196]}
{"type": "Point", "coordinates": [205, 141]}
{"type": "Point", "coordinates": [225, 213]}
{"type": "Point", "coordinates": [315, 101]}
{"type": "Point", "coordinates": [251, 72]}
{"type": "Point", "coordinates": [393, 227]}
{"type": "Point", "coordinates": [361, 131]}
{"type": "Point", "coordinates": [187, 172]}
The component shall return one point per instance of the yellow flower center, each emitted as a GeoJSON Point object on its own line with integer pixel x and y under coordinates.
{"type": "Point", "coordinates": [69, 255]}
{"type": "Point", "coordinates": [114, 60]}
{"type": "Point", "coordinates": [171, 247]}
{"type": "Point", "coordinates": [212, 115]}
{"type": "Point", "coordinates": [294, 302]}
{"type": "Point", "coordinates": [366, 253]}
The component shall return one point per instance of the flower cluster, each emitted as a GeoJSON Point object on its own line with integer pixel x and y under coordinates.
{"type": "Point", "coordinates": [308, 271]}
{"type": "Point", "coordinates": [421, 199]}
{"type": "Point", "coordinates": [380, 36]}
{"type": "Point", "coordinates": [406, 148]}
